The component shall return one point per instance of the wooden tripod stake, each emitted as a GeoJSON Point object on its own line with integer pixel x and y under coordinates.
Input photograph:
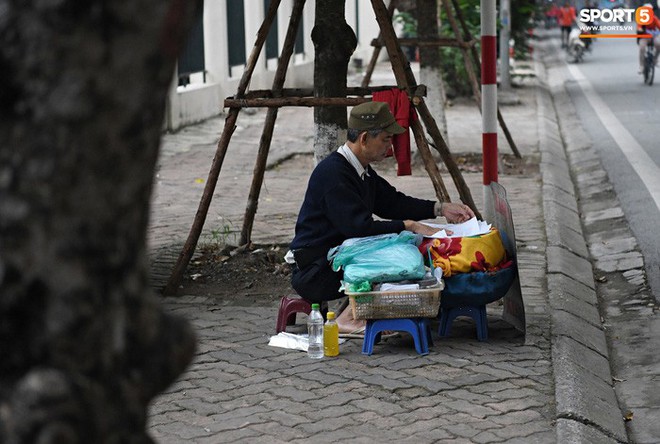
{"type": "Point", "coordinates": [269, 125]}
{"type": "Point", "coordinates": [230, 125]}
{"type": "Point", "coordinates": [406, 80]}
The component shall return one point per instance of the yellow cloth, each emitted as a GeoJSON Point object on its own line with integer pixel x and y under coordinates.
{"type": "Point", "coordinates": [464, 254]}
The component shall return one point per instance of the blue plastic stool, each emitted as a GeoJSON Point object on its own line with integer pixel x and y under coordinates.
{"type": "Point", "coordinates": [419, 328]}
{"type": "Point", "coordinates": [478, 313]}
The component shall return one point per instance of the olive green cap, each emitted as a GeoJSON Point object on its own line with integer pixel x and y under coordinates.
{"type": "Point", "coordinates": [373, 115]}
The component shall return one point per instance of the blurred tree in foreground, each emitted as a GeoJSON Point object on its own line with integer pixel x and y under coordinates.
{"type": "Point", "coordinates": [84, 345]}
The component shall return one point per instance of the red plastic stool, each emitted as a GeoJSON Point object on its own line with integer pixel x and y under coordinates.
{"type": "Point", "coordinates": [289, 306]}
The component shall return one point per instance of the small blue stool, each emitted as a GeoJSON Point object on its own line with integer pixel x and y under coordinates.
{"type": "Point", "coordinates": [419, 328]}
{"type": "Point", "coordinates": [478, 313]}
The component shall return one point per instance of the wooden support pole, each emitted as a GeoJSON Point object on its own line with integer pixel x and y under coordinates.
{"type": "Point", "coordinates": [221, 150]}
{"type": "Point", "coordinates": [469, 65]}
{"type": "Point", "coordinates": [429, 162]}
{"type": "Point", "coordinates": [374, 56]}
{"type": "Point", "coordinates": [438, 41]}
{"type": "Point", "coordinates": [466, 31]}
{"type": "Point", "coordinates": [269, 124]}
{"type": "Point", "coordinates": [309, 92]}
{"type": "Point", "coordinates": [277, 102]}
{"type": "Point", "coordinates": [477, 63]}
{"type": "Point", "coordinates": [443, 149]}
{"type": "Point", "coordinates": [406, 80]}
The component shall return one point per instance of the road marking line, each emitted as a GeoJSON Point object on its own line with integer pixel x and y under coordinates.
{"type": "Point", "coordinates": [644, 166]}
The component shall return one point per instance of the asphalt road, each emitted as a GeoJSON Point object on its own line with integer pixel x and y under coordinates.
{"type": "Point", "coordinates": [622, 116]}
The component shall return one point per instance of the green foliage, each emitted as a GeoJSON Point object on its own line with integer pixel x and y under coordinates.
{"type": "Point", "coordinates": [408, 23]}
{"type": "Point", "coordinates": [452, 62]}
{"type": "Point", "coordinates": [522, 14]}
{"type": "Point", "coordinates": [453, 65]}
{"type": "Point", "coordinates": [220, 237]}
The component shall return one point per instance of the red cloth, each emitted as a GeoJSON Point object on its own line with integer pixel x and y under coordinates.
{"type": "Point", "coordinates": [553, 11]}
{"type": "Point", "coordinates": [404, 113]}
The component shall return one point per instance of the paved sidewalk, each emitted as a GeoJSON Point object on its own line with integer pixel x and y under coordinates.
{"type": "Point", "coordinates": [505, 390]}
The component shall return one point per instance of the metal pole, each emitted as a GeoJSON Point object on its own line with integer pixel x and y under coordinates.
{"type": "Point", "coordinates": [488, 96]}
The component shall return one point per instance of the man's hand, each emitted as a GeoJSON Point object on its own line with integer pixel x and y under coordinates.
{"type": "Point", "coordinates": [419, 228]}
{"type": "Point", "coordinates": [456, 212]}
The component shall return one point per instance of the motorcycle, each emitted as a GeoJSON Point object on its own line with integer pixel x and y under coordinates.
{"type": "Point", "coordinates": [576, 46]}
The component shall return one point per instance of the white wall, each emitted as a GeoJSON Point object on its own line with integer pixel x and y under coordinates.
{"type": "Point", "coordinates": [201, 100]}
{"type": "Point", "coordinates": [366, 20]}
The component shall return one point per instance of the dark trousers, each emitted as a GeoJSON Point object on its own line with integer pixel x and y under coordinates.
{"type": "Point", "coordinates": [565, 32]}
{"type": "Point", "coordinates": [317, 282]}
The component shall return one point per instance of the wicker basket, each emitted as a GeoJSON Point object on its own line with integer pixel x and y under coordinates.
{"type": "Point", "coordinates": [421, 303]}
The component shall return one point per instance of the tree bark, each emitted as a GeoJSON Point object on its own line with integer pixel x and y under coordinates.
{"type": "Point", "coordinates": [84, 343]}
{"type": "Point", "coordinates": [430, 73]}
{"type": "Point", "coordinates": [334, 43]}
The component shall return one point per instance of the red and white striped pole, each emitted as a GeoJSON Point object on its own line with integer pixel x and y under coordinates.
{"type": "Point", "coordinates": [489, 95]}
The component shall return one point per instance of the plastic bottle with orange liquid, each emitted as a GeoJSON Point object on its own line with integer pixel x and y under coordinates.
{"type": "Point", "coordinates": [331, 336]}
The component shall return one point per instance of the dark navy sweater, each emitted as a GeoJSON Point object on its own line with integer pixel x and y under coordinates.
{"type": "Point", "coordinates": [339, 205]}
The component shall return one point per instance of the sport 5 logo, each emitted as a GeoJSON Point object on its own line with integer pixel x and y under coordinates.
{"type": "Point", "coordinates": [642, 15]}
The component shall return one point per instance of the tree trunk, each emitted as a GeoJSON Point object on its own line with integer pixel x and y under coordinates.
{"type": "Point", "coordinates": [334, 43]}
{"type": "Point", "coordinates": [84, 343]}
{"type": "Point", "coordinates": [430, 73]}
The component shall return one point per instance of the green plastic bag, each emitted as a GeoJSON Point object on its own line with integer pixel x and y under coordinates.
{"type": "Point", "coordinates": [382, 258]}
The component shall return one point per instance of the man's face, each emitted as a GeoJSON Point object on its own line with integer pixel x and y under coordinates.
{"type": "Point", "coordinates": [374, 149]}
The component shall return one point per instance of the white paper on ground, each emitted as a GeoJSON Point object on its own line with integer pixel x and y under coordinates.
{"type": "Point", "coordinates": [289, 340]}
{"type": "Point", "coordinates": [293, 341]}
{"type": "Point", "coordinates": [472, 227]}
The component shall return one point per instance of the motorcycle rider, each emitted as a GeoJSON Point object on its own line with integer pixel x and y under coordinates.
{"type": "Point", "coordinates": [643, 43]}
{"type": "Point", "coordinates": [565, 18]}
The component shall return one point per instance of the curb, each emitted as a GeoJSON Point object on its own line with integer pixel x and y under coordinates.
{"type": "Point", "coordinates": [587, 407]}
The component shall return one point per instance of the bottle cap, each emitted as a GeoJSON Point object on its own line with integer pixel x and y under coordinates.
{"type": "Point", "coordinates": [316, 306]}
{"type": "Point", "coordinates": [331, 315]}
